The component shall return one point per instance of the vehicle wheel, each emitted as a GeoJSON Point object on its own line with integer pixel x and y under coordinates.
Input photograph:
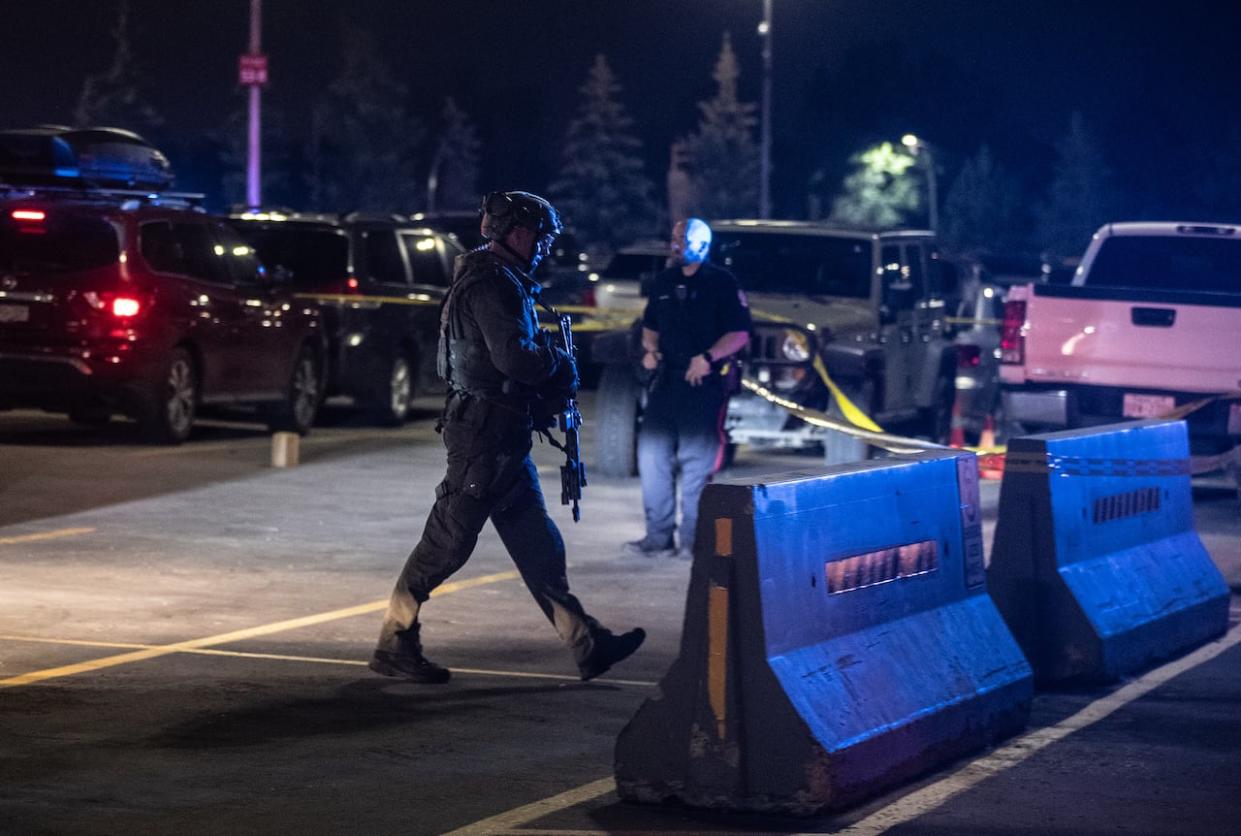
{"type": "Point", "coordinates": [617, 410]}
{"type": "Point", "coordinates": [91, 416]}
{"type": "Point", "coordinates": [390, 404]}
{"type": "Point", "coordinates": [297, 412]}
{"type": "Point", "coordinates": [171, 405]}
{"type": "Point", "coordinates": [936, 423]}
{"type": "Point", "coordinates": [840, 448]}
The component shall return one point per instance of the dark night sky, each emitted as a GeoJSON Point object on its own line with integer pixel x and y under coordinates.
{"type": "Point", "coordinates": [1156, 81]}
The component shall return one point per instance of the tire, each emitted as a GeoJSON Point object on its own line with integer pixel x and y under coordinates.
{"type": "Point", "coordinates": [936, 422]}
{"type": "Point", "coordinates": [617, 411]}
{"type": "Point", "coordinates": [297, 412]}
{"type": "Point", "coordinates": [840, 448]}
{"type": "Point", "coordinates": [170, 406]}
{"type": "Point", "coordinates": [389, 405]}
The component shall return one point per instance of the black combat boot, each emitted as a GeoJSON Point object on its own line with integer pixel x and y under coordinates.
{"type": "Point", "coordinates": [610, 649]}
{"type": "Point", "coordinates": [409, 663]}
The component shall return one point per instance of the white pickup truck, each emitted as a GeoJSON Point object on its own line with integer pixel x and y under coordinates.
{"type": "Point", "coordinates": [1150, 323]}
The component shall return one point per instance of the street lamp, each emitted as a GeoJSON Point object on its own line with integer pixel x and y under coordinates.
{"type": "Point", "coordinates": [923, 152]}
{"type": "Point", "coordinates": [764, 160]}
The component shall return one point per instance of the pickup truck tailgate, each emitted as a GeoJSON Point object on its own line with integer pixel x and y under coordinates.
{"type": "Point", "coordinates": [1140, 344]}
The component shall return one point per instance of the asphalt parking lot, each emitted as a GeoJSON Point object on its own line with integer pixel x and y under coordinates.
{"type": "Point", "coordinates": [183, 634]}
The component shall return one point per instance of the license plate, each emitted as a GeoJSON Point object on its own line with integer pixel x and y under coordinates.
{"type": "Point", "coordinates": [14, 313]}
{"type": "Point", "coordinates": [1147, 406]}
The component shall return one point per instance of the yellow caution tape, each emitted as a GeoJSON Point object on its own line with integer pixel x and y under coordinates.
{"type": "Point", "coordinates": [1193, 406]}
{"type": "Point", "coordinates": [894, 443]}
{"type": "Point", "coordinates": [848, 409]}
{"type": "Point", "coordinates": [368, 300]}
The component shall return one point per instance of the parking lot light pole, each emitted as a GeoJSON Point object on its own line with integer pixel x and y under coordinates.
{"type": "Point", "coordinates": [764, 163]}
{"type": "Point", "coordinates": [923, 152]}
{"type": "Point", "coordinates": [254, 170]}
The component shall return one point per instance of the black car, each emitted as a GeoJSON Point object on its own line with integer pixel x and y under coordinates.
{"type": "Point", "coordinates": [378, 280]}
{"type": "Point", "coordinates": [118, 299]}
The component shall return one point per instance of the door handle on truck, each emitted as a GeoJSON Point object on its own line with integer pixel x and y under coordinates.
{"type": "Point", "coordinates": [1153, 317]}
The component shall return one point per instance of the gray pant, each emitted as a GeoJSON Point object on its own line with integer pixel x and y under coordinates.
{"type": "Point", "coordinates": [490, 476]}
{"type": "Point", "coordinates": [682, 438]}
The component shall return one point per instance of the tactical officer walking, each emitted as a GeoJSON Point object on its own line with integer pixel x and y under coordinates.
{"type": "Point", "coordinates": [501, 371]}
{"type": "Point", "coordinates": [695, 320]}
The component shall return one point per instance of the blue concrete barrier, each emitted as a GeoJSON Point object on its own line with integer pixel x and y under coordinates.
{"type": "Point", "coordinates": [1097, 567]}
{"type": "Point", "coordinates": [838, 638]}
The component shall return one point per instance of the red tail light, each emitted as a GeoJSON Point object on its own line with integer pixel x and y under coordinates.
{"type": "Point", "coordinates": [588, 298]}
{"type": "Point", "coordinates": [968, 356]}
{"type": "Point", "coordinates": [1012, 342]}
{"type": "Point", "coordinates": [125, 306]}
{"type": "Point", "coordinates": [29, 215]}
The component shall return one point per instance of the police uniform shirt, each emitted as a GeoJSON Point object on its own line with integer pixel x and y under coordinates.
{"type": "Point", "coordinates": [692, 312]}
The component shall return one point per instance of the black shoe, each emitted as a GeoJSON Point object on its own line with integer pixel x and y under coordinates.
{"type": "Point", "coordinates": [610, 649]}
{"type": "Point", "coordinates": [649, 547]}
{"type": "Point", "coordinates": [412, 666]}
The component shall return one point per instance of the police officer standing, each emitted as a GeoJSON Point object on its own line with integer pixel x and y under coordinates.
{"type": "Point", "coordinates": [695, 320]}
{"type": "Point", "coordinates": [500, 369]}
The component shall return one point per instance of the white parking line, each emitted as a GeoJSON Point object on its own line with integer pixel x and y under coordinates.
{"type": "Point", "coordinates": [935, 795]}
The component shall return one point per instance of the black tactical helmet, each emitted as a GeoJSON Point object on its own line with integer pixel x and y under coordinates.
{"type": "Point", "coordinates": [504, 210]}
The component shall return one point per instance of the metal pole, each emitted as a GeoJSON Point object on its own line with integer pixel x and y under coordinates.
{"type": "Point", "coordinates": [254, 171]}
{"type": "Point", "coordinates": [932, 191]}
{"type": "Point", "coordinates": [765, 154]}
{"type": "Point", "coordinates": [764, 183]}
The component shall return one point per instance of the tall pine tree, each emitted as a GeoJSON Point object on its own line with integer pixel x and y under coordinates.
{"type": "Point", "coordinates": [364, 140]}
{"type": "Point", "coordinates": [723, 155]}
{"type": "Point", "coordinates": [981, 214]}
{"type": "Point", "coordinates": [1080, 198]}
{"type": "Point", "coordinates": [602, 189]}
{"type": "Point", "coordinates": [114, 97]}
{"type": "Point", "coordinates": [881, 192]}
{"type": "Point", "coordinates": [453, 179]}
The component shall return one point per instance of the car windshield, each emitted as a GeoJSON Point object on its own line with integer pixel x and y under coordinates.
{"type": "Point", "coordinates": [635, 266]}
{"type": "Point", "coordinates": [62, 242]}
{"type": "Point", "coordinates": [314, 256]}
{"type": "Point", "coordinates": [1211, 265]}
{"type": "Point", "coordinates": [810, 265]}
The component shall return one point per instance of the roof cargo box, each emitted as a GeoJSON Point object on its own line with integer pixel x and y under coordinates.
{"type": "Point", "coordinates": [91, 157]}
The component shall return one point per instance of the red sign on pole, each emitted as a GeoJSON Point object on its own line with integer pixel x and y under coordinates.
{"type": "Point", "coordinates": [252, 70]}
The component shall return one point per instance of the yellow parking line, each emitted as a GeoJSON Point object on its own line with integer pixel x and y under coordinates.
{"type": "Point", "coordinates": [236, 635]}
{"type": "Point", "coordinates": [318, 660]}
{"type": "Point", "coordinates": [44, 535]}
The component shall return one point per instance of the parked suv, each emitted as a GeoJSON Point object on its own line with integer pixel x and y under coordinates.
{"type": "Point", "coordinates": [869, 304]}
{"type": "Point", "coordinates": [378, 280]}
{"type": "Point", "coordinates": [118, 299]}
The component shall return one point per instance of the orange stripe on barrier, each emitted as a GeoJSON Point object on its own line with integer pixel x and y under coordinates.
{"type": "Point", "coordinates": [717, 656]}
{"type": "Point", "coordinates": [724, 537]}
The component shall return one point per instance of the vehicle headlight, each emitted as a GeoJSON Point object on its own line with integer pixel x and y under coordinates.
{"type": "Point", "coordinates": [796, 347]}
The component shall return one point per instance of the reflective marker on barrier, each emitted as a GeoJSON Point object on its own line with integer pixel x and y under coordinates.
{"type": "Point", "coordinates": [717, 658]}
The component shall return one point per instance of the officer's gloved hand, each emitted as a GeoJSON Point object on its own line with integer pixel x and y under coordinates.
{"type": "Point", "coordinates": [564, 380]}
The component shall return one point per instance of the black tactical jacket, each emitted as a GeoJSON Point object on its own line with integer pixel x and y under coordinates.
{"type": "Point", "coordinates": [489, 332]}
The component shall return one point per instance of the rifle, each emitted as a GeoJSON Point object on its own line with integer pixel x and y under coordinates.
{"type": "Point", "coordinates": [573, 471]}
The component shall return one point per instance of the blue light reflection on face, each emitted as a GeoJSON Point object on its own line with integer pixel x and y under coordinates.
{"type": "Point", "coordinates": [696, 241]}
